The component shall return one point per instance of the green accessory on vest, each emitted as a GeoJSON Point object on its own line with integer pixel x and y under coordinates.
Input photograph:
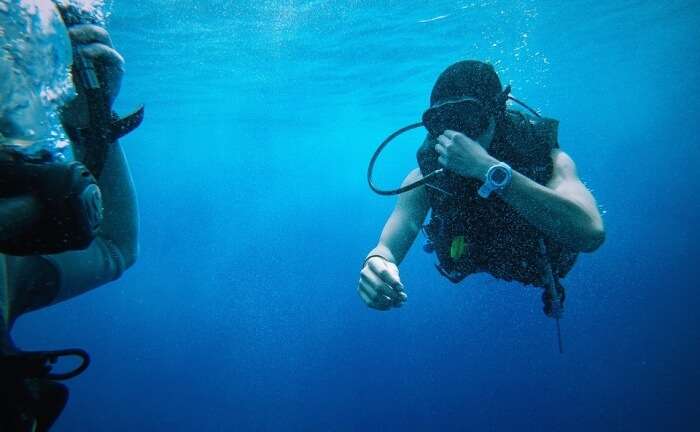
{"type": "Point", "coordinates": [458, 248]}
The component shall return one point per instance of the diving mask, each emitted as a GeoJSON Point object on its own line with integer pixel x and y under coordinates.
{"type": "Point", "coordinates": [467, 115]}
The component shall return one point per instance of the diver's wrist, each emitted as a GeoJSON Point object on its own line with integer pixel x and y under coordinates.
{"type": "Point", "coordinates": [478, 170]}
{"type": "Point", "coordinates": [375, 255]}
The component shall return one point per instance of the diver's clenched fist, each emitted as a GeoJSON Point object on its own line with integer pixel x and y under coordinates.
{"type": "Point", "coordinates": [463, 155]}
{"type": "Point", "coordinates": [380, 286]}
{"type": "Point", "coordinates": [93, 44]}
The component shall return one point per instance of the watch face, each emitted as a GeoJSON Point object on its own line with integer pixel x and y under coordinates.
{"type": "Point", "coordinates": [499, 176]}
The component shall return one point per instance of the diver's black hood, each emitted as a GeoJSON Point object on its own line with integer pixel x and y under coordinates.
{"type": "Point", "coordinates": [467, 78]}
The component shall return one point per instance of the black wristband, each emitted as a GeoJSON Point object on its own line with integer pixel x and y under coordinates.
{"type": "Point", "coordinates": [378, 256]}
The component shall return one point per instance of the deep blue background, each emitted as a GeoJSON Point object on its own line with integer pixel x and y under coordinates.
{"type": "Point", "coordinates": [242, 312]}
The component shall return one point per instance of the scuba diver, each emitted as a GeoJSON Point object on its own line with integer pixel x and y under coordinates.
{"type": "Point", "coordinates": [504, 198]}
{"type": "Point", "coordinates": [68, 218]}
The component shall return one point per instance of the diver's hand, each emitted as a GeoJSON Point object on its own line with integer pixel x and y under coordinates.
{"type": "Point", "coordinates": [380, 286]}
{"type": "Point", "coordinates": [95, 45]}
{"type": "Point", "coordinates": [463, 155]}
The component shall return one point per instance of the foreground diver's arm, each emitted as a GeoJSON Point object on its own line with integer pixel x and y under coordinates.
{"type": "Point", "coordinates": [116, 247]}
{"type": "Point", "coordinates": [380, 286]}
{"type": "Point", "coordinates": [564, 209]}
{"type": "Point", "coordinates": [43, 280]}
{"type": "Point", "coordinates": [49, 279]}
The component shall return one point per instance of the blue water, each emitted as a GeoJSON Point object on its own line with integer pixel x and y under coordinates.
{"type": "Point", "coordinates": [242, 313]}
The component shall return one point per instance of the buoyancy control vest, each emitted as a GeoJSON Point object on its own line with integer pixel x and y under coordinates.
{"type": "Point", "coordinates": [470, 234]}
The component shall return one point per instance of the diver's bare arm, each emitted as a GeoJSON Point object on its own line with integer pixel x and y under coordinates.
{"type": "Point", "coordinates": [564, 209]}
{"type": "Point", "coordinates": [404, 224]}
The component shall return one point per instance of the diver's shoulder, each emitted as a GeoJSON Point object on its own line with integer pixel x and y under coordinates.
{"type": "Point", "coordinates": [560, 157]}
{"type": "Point", "coordinates": [563, 163]}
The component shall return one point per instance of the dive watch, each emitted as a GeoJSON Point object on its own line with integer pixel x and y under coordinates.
{"type": "Point", "coordinates": [497, 178]}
